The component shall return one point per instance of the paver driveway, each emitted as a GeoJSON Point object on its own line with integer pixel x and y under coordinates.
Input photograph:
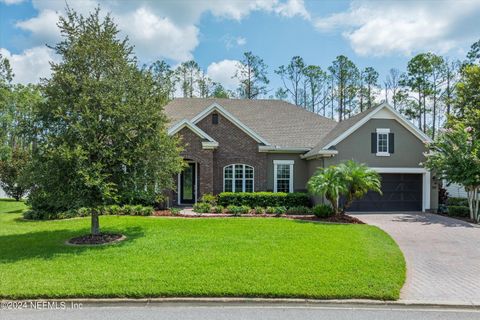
{"type": "Point", "coordinates": [442, 254]}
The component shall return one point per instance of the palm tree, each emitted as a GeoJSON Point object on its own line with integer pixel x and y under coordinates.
{"type": "Point", "coordinates": [328, 182]}
{"type": "Point", "coordinates": [350, 180]}
{"type": "Point", "coordinates": [359, 180]}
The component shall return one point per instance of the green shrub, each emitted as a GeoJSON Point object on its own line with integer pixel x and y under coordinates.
{"type": "Point", "coordinates": [209, 198]}
{"type": "Point", "coordinates": [458, 211]}
{"type": "Point", "coordinates": [270, 210]}
{"type": "Point", "coordinates": [264, 199]}
{"type": "Point", "coordinates": [175, 211]}
{"type": "Point", "coordinates": [218, 209]}
{"type": "Point", "coordinates": [137, 210]}
{"type": "Point", "coordinates": [298, 210]}
{"type": "Point", "coordinates": [238, 210]}
{"type": "Point", "coordinates": [202, 207]}
{"type": "Point", "coordinates": [457, 202]}
{"type": "Point", "coordinates": [259, 210]}
{"type": "Point", "coordinates": [323, 211]}
{"type": "Point", "coordinates": [280, 210]}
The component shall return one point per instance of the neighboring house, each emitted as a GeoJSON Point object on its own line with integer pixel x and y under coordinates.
{"type": "Point", "coordinates": [455, 190]}
{"type": "Point", "coordinates": [271, 145]}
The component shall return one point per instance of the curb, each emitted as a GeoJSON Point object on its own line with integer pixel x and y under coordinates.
{"type": "Point", "coordinates": [144, 302]}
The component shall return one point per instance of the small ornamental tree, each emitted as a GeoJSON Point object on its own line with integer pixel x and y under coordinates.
{"type": "Point", "coordinates": [14, 178]}
{"type": "Point", "coordinates": [349, 180]}
{"type": "Point", "coordinates": [102, 136]}
{"type": "Point", "coordinates": [455, 156]}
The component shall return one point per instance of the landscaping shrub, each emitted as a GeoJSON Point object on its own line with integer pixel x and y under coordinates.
{"type": "Point", "coordinates": [238, 210]}
{"type": "Point", "coordinates": [202, 207]}
{"type": "Point", "coordinates": [218, 209]}
{"type": "Point", "coordinates": [458, 211]}
{"type": "Point", "coordinates": [270, 210]}
{"type": "Point", "coordinates": [259, 210]}
{"type": "Point", "coordinates": [323, 211]}
{"type": "Point", "coordinates": [264, 199]}
{"type": "Point", "coordinates": [280, 210]}
{"type": "Point", "coordinates": [137, 210]}
{"type": "Point", "coordinates": [209, 198]}
{"type": "Point", "coordinates": [457, 202]}
{"type": "Point", "coordinates": [298, 210]}
{"type": "Point", "coordinates": [175, 211]}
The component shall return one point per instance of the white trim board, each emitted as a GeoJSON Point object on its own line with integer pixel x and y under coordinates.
{"type": "Point", "coordinates": [231, 118]}
{"type": "Point", "coordinates": [396, 116]}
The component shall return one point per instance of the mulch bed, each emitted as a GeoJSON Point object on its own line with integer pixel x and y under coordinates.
{"type": "Point", "coordinates": [340, 219]}
{"type": "Point", "coordinates": [102, 238]}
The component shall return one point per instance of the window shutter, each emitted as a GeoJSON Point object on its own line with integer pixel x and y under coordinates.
{"type": "Point", "coordinates": [374, 142]}
{"type": "Point", "coordinates": [391, 143]}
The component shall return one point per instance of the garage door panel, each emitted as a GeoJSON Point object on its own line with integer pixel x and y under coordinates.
{"type": "Point", "coordinates": [401, 192]}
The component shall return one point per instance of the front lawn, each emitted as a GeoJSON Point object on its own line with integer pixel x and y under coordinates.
{"type": "Point", "coordinates": [197, 257]}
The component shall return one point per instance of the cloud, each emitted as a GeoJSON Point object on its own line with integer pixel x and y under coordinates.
{"type": "Point", "coordinates": [223, 71]}
{"type": "Point", "coordinates": [43, 27]}
{"type": "Point", "coordinates": [232, 42]}
{"type": "Point", "coordinates": [293, 8]}
{"type": "Point", "coordinates": [10, 2]}
{"type": "Point", "coordinates": [404, 27]}
{"type": "Point", "coordinates": [30, 65]}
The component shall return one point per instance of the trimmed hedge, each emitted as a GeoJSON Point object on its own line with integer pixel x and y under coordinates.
{"type": "Point", "coordinates": [457, 202]}
{"type": "Point", "coordinates": [126, 210]}
{"type": "Point", "coordinates": [264, 199]}
{"type": "Point", "coordinates": [458, 211]}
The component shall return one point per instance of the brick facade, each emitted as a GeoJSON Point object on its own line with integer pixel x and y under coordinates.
{"type": "Point", "coordinates": [235, 147]}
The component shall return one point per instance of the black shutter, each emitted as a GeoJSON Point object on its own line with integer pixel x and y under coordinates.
{"type": "Point", "coordinates": [374, 142]}
{"type": "Point", "coordinates": [391, 143]}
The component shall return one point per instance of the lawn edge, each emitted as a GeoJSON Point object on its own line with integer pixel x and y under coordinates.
{"type": "Point", "coordinates": [144, 302]}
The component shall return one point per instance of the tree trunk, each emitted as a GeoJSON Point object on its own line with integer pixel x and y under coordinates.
{"type": "Point", "coordinates": [95, 229]}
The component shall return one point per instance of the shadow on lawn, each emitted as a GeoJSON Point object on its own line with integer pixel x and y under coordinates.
{"type": "Point", "coordinates": [50, 244]}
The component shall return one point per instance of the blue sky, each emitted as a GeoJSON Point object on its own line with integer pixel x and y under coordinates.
{"type": "Point", "coordinates": [382, 34]}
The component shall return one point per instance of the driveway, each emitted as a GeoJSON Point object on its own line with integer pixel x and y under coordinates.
{"type": "Point", "coordinates": [442, 254]}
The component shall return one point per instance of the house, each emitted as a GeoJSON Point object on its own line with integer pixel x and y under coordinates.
{"type": "Point", "coordinates": [270, 145]}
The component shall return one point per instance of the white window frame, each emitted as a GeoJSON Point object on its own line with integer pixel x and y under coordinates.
{"type": "Point", "coordinates": [382, 131]}
{"type": "Point", "coordinates": [275, 165]}
{"type": "Point", "coordinates": [244, 179]}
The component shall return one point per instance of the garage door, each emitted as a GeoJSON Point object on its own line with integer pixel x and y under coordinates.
{"type": "Point", "coordinates": [401, 192]}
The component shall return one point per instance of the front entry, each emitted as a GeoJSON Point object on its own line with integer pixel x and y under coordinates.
{"type": "Point", "coordinates": [188, 183]}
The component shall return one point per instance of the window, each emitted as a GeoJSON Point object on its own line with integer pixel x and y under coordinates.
{"type": "Point", "coordinates": [238, 178]}
{"type": "Point", "coordinates": [214, 118]}
{"type": "Point", "coordinates": [283, 175]}
{"type": "Point", "coordinates": [382, 142]}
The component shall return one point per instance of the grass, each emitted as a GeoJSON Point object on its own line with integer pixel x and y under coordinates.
{"type": "Point", "coordinates": [197, 257]}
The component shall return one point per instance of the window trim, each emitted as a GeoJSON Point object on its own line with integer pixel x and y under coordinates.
{"type": "Point", "coordinates": [275, 180]}
{"type": "Point", "coordinates": [244, 179]}
{"type": "Point", "coordinates": [385, 131]}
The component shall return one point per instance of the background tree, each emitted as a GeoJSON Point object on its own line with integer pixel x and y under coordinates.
{"type": "Point", "coordinates": [345, 76]}
{"type": "Point", "coordinates": [103, 137]}
{"type": "Point", "coordinates": [467, 102]}
{"type": "Point", "coordinates": [187, 74]}
{"type": "Point", "coordinates": [370, 79]}
{"type": "Point", "coordinates": [252, 74]}
{"type": "Point", "coordinates": [205, 85]}
{"type": "Point", "coordinates": [292, 76]}
{"type": "Point", "coordinates": [473, 55]}
{"type": "Point", "coordinates": [14, 173]}
{"type": "Point", "coordinates": [392, 86]}
{"type": "Point", "coordinates": [220, 92]}
{"type": "Point", "coordinates": [317, 83]}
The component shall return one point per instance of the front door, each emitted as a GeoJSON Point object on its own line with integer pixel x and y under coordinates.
{"type": "Point", "coordinates": [188, 184]}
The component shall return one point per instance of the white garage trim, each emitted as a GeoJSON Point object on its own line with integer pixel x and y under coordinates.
{"type": "Point", "coordinates": [426, 181]}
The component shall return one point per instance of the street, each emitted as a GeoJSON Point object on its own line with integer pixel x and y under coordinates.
{"type": "Point", "coordinates": [245, 311]}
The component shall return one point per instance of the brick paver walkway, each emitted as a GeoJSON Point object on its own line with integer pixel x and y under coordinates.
{"type": "Point", "coordinates": [442, 254]}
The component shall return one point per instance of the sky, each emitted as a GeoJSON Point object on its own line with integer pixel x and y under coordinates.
{"type": "Point", "coordinates": [216, 33]}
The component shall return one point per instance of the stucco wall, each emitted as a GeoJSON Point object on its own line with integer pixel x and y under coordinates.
{"type": "Point", "coordinates": [408, 148]}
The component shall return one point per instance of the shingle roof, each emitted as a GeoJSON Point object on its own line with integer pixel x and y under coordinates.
{"type": "Point", "coordinates": [340, 128]}
{"type": "Point", "coordinates": [280, 123]}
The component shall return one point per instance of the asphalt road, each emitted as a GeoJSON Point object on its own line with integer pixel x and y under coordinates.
{"type": "Point", "coordinates": [243, 312]}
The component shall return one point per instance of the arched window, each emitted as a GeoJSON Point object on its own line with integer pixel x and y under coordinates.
{"type": "Point", "coordinates": [238, 178]}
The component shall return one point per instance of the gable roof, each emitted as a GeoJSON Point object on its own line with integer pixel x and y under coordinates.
{"type": "Point", "coordinates": [350, 125]}
{"type": "Point", "coordinates": [208, 143]}
{"type": "Point", "coordinates": [275, 122]}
